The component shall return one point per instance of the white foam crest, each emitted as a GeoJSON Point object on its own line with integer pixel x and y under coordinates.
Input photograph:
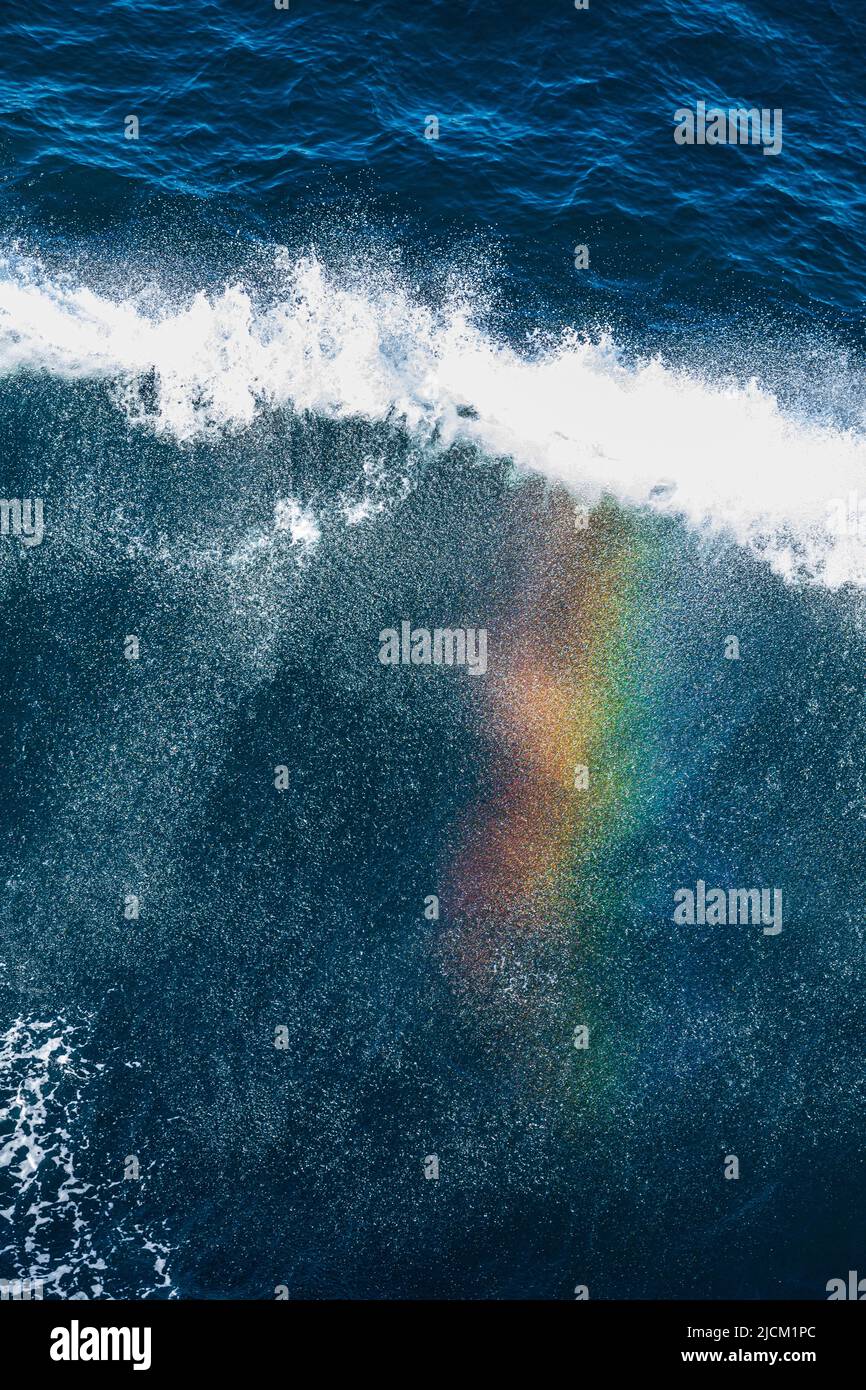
{"type": "Point", "coordinates": [725, 456]}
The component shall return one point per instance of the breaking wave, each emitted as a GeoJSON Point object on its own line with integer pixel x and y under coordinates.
{"type": "Point", "coordinates": [726, 455]}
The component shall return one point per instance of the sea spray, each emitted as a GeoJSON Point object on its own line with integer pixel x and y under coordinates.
{"type": "Point", "coordinates": [725, 456]}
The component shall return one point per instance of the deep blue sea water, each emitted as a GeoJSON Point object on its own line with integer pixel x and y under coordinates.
{"type": "Point", "coordinates": [286, 371]}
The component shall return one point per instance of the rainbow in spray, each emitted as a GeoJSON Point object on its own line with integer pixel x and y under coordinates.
{"type": "Point", "coordinates": [568, 721]}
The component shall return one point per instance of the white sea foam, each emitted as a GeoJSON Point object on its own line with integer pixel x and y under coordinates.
{"type": "Point", "coordinates": [725, 456]}
{"type": "Point", "coordinates": [57, 1230]}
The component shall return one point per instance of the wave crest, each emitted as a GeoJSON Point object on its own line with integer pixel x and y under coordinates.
{"type": "Point", "coordinates": [726, 456]}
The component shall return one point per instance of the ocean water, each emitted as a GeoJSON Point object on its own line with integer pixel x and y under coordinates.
{"type": "Point", "coordinates": [286, 372]}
